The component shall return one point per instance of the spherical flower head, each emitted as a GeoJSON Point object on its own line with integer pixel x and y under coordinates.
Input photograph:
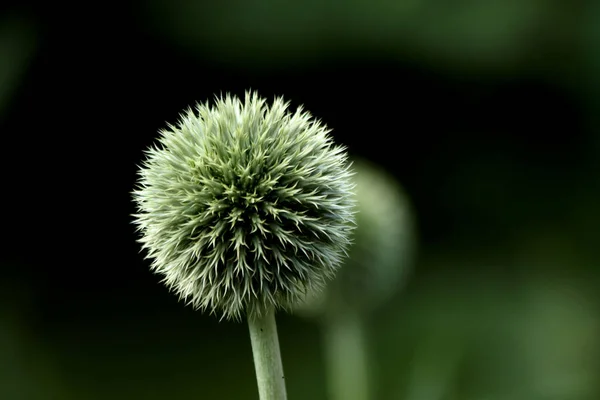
{"type": "Point", "coordinates": [382, 250]}
{"type": "Point", "coordinates": [245, 207]}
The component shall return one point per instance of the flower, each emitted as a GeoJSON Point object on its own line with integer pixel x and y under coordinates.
{"type": "Point", "coordinates": [244, 207]}
{"type": "Point", "coordinates": [382, 250]}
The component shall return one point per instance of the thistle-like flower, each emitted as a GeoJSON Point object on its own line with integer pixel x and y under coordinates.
{"type": "Point", "coordinates": [383, 243]}
{"type": "Point", "coordinates": [382, 250]}
{"type": "Point", "coordinates": [244, 208]}
{"type": "Point", "coordinates": [379, 258]}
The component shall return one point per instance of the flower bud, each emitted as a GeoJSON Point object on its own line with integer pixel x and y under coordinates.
{"type": "Point", "coordinates": [382, 249]}
{"type": "Point", "coordinates": [245, 207]}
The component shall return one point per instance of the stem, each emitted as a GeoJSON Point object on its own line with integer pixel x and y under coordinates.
{"type": "Point", "coordinates": [267, 357]}
{"type": "Point", "coordinates": [346, 357]}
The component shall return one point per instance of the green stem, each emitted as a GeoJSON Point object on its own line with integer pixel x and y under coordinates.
{"type": "Point", "coordinates": [267, 357]}
{"type": "Point", "coordinates": [346, 357]}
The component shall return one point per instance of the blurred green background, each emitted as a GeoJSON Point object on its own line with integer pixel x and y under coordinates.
{"type": "Point", "coordinates": [487, 112]}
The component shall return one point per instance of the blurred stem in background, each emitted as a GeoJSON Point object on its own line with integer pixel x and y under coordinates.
{"type": "Point", "coordinates": [346, 357]}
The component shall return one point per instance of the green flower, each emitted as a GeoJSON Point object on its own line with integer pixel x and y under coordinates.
{"type": "Point", "coordinates": [243, 207]}
{"type": "Point", "coordinates": [382, 251]}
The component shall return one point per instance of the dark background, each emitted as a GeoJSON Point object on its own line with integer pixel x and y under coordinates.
{"type": "Point", "coordinates": [485, 112]}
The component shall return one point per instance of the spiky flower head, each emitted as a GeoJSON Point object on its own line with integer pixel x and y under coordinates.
{"type": "Point", "coordinates": [245, 207]}
{"type": "Point", "coordinates": [382, 251]}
